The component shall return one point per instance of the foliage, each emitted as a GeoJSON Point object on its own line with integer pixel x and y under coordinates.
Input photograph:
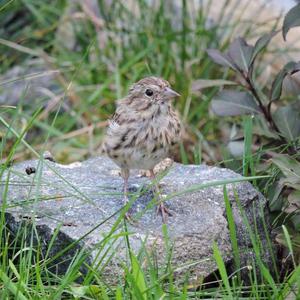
{"type": "Point", "coordinates": [96, 53]}
{"type": "Point", "coordinates": [278, 127]}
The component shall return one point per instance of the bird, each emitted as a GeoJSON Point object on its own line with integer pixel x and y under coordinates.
{"type": "Point", "coordinates": [143, 130]}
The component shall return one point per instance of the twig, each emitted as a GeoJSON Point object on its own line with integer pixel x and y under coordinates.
{"type": "Point", "coordinates": [264, 110]}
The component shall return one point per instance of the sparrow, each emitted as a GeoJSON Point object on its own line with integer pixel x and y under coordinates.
{"type": "Point", "coordinates": [143, 131]}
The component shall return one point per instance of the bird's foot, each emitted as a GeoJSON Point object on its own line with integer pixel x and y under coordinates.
{"type": "Point", "coordinates": [164, 212]}
{"type": "Point", "coordinates": [128, 215]}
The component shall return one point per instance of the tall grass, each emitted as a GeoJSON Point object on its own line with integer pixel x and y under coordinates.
{"type": "Point", "coordinates": [104, 61]}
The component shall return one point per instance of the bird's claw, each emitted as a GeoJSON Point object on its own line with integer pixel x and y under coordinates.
{"type": "Point", "coordinates": [128, 215]}
{"type": "Point", "coordinates": [129, 218]}
{"type": "Point", "coordinates": [164, 212]}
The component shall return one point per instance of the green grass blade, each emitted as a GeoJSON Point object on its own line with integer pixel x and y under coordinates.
{"type": "Point", "coordinates": [222, 269]}
{"type": "Point", "coordinates": [248, 164]}
{"type": "Point", "coordinates": [140, 286]}
{"type": "Point", "coordinates": [232, 230]}
{"type": "Point", "coordinates": [289, 244]}
{"type": "Point", "coordinates": [12, 287]}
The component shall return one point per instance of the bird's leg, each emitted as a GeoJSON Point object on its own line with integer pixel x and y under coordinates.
{"type": "Point", "coordinates": [125, 176]}
{"type": "Point", "coordinates": [161, 209]}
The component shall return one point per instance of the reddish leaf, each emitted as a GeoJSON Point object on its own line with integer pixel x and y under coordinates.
{"type": "Point", "coordinates": [276, 89]}
{"type": "Point", "coordinates": [262, 43]}
{"type": "Point", "coordinates": [287, 119]}
{"type": "Point", "coordinates": [220, 58]}
{"type": "Point", "coordinates": [292, 19]}
{"type": "Point", "coordinates": [234, 103]}
{"type": "Point", "coordinates": [241, 53]}
{"type": "Point", "coordinates": [205, 83]}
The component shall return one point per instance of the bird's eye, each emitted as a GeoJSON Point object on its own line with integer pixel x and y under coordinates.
{"type": "Point", "coordinates": [149, 92]}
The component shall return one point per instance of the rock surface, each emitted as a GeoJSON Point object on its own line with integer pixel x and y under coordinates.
{"type": "Point", "coordinates": [80, 196]}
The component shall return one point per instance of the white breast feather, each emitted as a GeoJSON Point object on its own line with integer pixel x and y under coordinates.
{"type": "Point", "coordinates": [113, 127]}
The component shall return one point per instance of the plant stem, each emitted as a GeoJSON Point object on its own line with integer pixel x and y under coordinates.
{"type": "Point", "coordinates": [257, 97]}
{"type": "Point", "coordinates": [264, 110]}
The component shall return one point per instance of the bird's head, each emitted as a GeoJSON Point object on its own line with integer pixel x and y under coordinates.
{"type": "Point", "coordinates": [152, 90]}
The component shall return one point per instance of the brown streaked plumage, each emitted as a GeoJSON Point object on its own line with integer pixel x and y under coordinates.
{"type": "Point", "coordinates": [143, 129]}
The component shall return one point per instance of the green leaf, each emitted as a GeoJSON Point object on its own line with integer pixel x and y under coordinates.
{"type": "Point", "coordinates": [292, 19]}
{"type": "Point", "coordinates": [119, 293]}
{"type": "Point", "coordinates": [221, 58]}
{"type": "Point", "coordinates": [234, 103]}
{"type": "Point", "coordinates": [205, 83]}
{"type": "Point", "coordinates": [287, 119]}
{"type": "Point", "coordinates": [241, 53]}
{"type": "Point", "coordinates": [87, 290]}
{"type": "Point", "coordinates": [104, 295]}
{"type": "Point", "coordinates": [288, 166]}
{"type": "Point", "coordinates": [261, 44]}
{"type": "Point", "coordinates": [138, 276]}
{"type": "Point", "coordinates": [276, 89]}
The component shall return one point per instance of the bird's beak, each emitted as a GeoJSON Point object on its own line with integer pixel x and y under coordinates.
{"type": "Point", "coordinates": [169, 93]}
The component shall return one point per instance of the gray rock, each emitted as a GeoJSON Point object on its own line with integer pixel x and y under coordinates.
{"type": "Point", "coordinates": [80, 196]}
